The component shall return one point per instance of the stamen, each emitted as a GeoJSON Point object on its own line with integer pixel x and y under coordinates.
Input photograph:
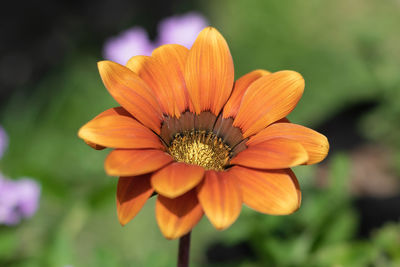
{"type": "Point", "coordinates": [201, 148]}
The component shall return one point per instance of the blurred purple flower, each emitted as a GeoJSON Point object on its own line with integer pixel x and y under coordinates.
{"type": "Point", "coordinates": [180, 29]}
{"type": "Point", "coordinates": [131, 42]}
{"type": "Point", "coordinates": [18, 199]}
{"type": "Point", "coordinates": [29, 192]}
{"type": "Point", "coordinates": [3, 141]}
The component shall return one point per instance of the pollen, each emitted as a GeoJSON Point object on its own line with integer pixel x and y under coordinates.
{"type": "Point", "coordinates": [200, 148]}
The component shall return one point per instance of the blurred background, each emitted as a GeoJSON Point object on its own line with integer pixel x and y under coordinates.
{"type": "Point", "coordinates": [349, 55]}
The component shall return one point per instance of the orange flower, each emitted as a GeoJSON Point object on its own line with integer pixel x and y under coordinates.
{"type": "Point", "coordinates": [204, 143]}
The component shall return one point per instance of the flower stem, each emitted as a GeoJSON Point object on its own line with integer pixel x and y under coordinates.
{"type": "Point", "coordinates": [184, 247]}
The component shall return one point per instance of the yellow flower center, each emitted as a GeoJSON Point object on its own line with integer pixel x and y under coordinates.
{"type": "Point", "coordinates": [200, 148]}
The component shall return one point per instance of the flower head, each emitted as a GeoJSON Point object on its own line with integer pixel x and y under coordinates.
{"type": "Point", "coordinates": [205, 144]}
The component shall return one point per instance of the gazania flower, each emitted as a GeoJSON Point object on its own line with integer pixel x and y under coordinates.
{"type": "Point", "coordinates": [205, 144]}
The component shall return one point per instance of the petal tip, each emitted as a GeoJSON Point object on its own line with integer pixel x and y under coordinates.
{"type": "Point", "coordinates": [295, 77]}
{"type": "Point", "coordinates": [84, 133]}
{"type": "Point", "coordinates": [122, 219]}
{"type": "Point", "coordinates": [326, 148]}
{"type": "Point", "coordinates": [81, 132]}
{"type": "Point", "coordinates": [211, 32]}
{"type": "Point", "coordinates": [106, 66]}
{"type": "Point", "coordinates": [322, 153]}
{"type": "Point", "coordinates": [293, 74]}
{"type": "Point", "coordinates": [172, 235]}
{"type": "Point", "coordinates": [210, 28]}
{"type": "Point", "coordinates": [221, 227]}
{"type": "Point", "coordinates": [292, 207]}
{"type": "Point", "coordinates": [103, 64]}
{"type": "Point", "coordinates": [109, 171]}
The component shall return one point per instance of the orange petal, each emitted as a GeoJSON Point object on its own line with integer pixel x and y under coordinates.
{"type": "Point", "coordinates": [276, 153]}
{"type": "Point", "coordinates": [119, 132]}
{"type": "Point", "coordinates": [121, 162]}
{"type": "Point", "coordinates": [136, 63]}
{"type": "Point", "coordinates": [315, 144]}
{"type": "Point", "coordinates": [176, 179]}
{"type": "Point", "coordinates": [163, 72]}
{"type": "Point", "coordinates": [152, 72]}
{"type": "Point", "coordinates": [108, 112]}
{"type": "Point", "coordinates": [267, 100]}
{"type": "Point", "coordinates": [173, 59]}
{"type": "Point", "coordinates": [209, 72]}
{"type": "Point", "coordinates": [220, 197]}
{"type": "Point", "coordinates": [132, 193]}
{"type": "Point", "coordinates": [274, 192]}
{"type": "Point", "coordinates": [232, 106]}
{"type": "Point", "coordinates": [176, 217]}
{"type": "Point", "coordinates": [129, 90]}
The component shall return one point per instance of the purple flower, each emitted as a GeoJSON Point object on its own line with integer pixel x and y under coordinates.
{"type": "Point", "coordinates": [3, 141]}
{"type": "Point", "coordinates": [18, 199]}
{"type": "Point", "coordinates": [127, 44]}
{"type": "Point", "coordinates": [8, 200]}
{"type": "Point", "coordinates": [29, 194]}
{"type": "Point", "coordinates": [180, 29]}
